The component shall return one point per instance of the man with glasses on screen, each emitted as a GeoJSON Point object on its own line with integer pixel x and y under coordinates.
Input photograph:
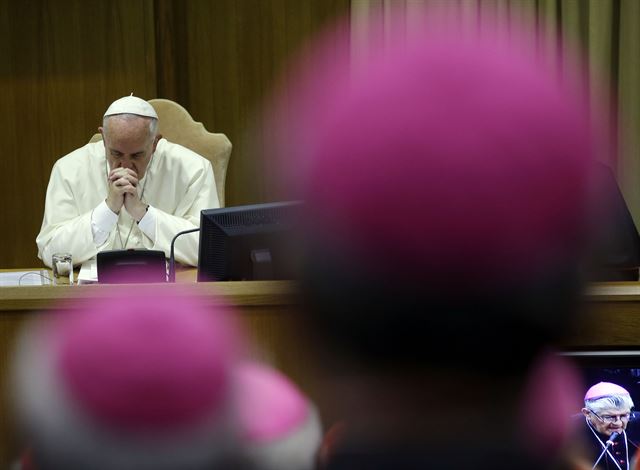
{"type": "Point", "coordinates": [607, 412]}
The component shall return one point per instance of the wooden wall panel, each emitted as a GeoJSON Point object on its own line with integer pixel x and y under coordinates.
{"type": "Point", "coordinates": [233, 52]}
{"type": "Point", "coordinates": [62, 62]}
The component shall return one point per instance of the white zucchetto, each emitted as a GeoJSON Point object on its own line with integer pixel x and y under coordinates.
{"type": "Point", "coordinates": [131, 105]}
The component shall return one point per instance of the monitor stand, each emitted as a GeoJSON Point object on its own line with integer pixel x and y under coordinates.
{"type": "Point", "coordinates": [262, 264]}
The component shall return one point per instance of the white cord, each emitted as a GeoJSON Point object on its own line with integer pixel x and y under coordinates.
{"type": "Point", "coordinates": [36, 273]}
{"type": "Point", "coordinates": [604, 446]}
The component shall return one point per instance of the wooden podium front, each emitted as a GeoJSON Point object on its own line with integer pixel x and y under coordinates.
{"type": "Point", "coordinates": [610, 317]}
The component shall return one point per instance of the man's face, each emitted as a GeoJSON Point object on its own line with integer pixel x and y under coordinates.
{"type": "Point", "coordinates": [609, 420]}
{"type": "Point", "coordinates": [128, 144]}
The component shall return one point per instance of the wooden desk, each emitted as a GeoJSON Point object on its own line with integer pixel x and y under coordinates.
{"type": "Point", "coordinates": [610, 318]}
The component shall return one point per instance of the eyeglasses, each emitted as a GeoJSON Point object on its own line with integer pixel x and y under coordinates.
{"type": "Point", "coordinates": [608, 419]}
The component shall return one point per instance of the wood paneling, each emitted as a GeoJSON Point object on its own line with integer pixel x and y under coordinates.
{"type": "Point", "coordinates": [234, 51]}
{"type": "Point", "coordinates": [63, 61]}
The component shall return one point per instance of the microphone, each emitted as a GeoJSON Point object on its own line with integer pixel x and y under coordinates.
{"type": "Point", "coordinates": [172, 262]}
{"type": "Point", "coordinates": [608, 444]}
{"type": "Point", "coordinates": [612, 438]}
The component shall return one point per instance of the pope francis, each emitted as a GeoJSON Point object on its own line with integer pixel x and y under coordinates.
{"type": "Point", "coordinates": [134, 189]}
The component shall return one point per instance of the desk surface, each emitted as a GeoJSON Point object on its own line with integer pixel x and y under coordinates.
{"type": "Point", "coordinates": [611, 316]}
{"type": "Point", "coordinates": [241, 294]}
{"type": "Point", "coordinates": [614, 291]}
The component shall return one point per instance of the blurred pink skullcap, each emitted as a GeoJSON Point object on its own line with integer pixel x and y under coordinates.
{"type": "Point", "coordinates": [553, 386]}
{"type": "Point", "coordinates": [270, 406]}
{"type": "Point", "coordinates": [147, 361]}
{"type": "Point", "coordinates": [278, 424]}
{"type": "Point", "coordinates": [604, 389]}
{"type": "Point", "coordinates": [444, 156]}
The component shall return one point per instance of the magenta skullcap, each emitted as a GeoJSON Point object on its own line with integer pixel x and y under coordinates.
{"type": "Point", "coordinates": [449, 157]}
{"type": "Point", "coordinates": [142, 360]}
{"type": "Point", "coordinates": [279, 427]}
{"type": "Point", "coordinates": [269, 405]}
{"type": "Point", "coordinates": [604, 389]}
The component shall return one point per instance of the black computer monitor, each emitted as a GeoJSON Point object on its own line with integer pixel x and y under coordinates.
{"type": "Point", "coordinates": [249, 242]}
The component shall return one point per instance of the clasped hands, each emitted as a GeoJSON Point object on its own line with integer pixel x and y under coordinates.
{"type": "Point", "coordinates": [123, 191]}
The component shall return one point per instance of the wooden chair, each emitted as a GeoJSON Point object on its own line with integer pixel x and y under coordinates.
{"type": "Point", "coordinates": [176, 125]}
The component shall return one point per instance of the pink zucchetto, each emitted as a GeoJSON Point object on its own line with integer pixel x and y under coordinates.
{"type": "Point", "coordinates": [137, 378]}
{"type": "Point", "coordinates": [149, 365]}
{"type": "Point", "coordinates": [450, 156]}
{"type": "Point", "coordinates": [279, 426]}
{"type": "Point", "coordinates": [604, 389]}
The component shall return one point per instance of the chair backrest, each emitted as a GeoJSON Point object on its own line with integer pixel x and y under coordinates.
{"type": "Point", "coordinates": [176, 125]}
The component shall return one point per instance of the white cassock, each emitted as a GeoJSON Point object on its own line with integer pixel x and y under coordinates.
{"type": "Point", "coordinates": [177, 185]}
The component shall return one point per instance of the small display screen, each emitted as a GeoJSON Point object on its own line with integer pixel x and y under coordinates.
{"type": "Point", "coordinates": [621, 367]}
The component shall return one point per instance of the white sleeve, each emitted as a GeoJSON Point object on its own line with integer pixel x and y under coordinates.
{"type": "Point", "coordinates": [198, 195]}
{"type": "Point", "coordinates": [65, 227]}
{"type": "Point", "coordinates": [148, 223]}
{"type": "Point", "coordinates": [103, 221]}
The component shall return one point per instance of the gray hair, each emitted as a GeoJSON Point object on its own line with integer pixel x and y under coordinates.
{"type": "Point", "coordinates": [617, 402]}
{"type": "Point", "coordinates": [153, 122]}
